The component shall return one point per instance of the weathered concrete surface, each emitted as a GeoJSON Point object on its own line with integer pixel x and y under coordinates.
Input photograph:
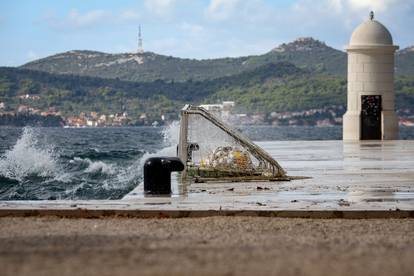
{"type": "Point", "coordinates": [205, 246]}
{"type": "Point", "coordinates": [354, 180]}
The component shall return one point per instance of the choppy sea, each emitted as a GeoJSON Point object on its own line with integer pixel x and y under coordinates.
{"type": "Point", "coordinates": [104, 163]}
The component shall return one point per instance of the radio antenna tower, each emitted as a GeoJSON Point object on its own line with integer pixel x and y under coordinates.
{"type": "Point", "coordinates": [140, 49]}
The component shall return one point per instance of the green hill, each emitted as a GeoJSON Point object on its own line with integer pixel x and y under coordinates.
{"type": "Point", "coordinates": [404, 61]}
{"type": "Point", "coordinates": [271, 87]}
{"type": "Point", "coordinates": [137, 67]}
{"type": "Point", "coordinates": [306, 53]}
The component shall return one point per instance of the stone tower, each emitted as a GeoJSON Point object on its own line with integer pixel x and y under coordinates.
{"type": "Point", "coordinates": [370, 111]}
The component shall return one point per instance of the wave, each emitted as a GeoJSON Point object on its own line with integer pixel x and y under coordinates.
{"type": "Point", "coordinates": [95, 166]}
{"type": "Point", "coordinates": [5, 181]}
{"type": "Point", "coordinates": [100, 167]}
{"type": "Point", "coordinates": [170, 141]}
{"type": "Point", "coordinates": [33, 169]}
{"type": "Point", "coordinates": [96, 154]}
{"type": "Point", "coordinates": [28, 158]}
{"type": "Point", "coordinates": [171, 134]}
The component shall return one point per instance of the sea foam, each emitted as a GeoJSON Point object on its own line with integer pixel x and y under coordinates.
{"type": "Point", "coordinates": [170, 141]}
{"type": "Point", "coordinates": [28, 158]}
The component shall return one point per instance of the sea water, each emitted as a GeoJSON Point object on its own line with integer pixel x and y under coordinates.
{"type": "Point", "coordinates": [104, 163]}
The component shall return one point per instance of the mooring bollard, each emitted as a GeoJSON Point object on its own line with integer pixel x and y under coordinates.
{"type": "Point", "coordinates": [157, 174]}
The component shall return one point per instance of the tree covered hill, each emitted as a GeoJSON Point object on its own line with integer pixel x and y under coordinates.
{"type": "Point", "coordinates": [404, 61]}
{"type": "Point", "coordinates": [138, 67]}
{"type": "Point", "coordinates": [77, 93]}
{"type": "Point", "coordinates": [305, 53]}
{"type": "Point", "coordinates": [271, 87]}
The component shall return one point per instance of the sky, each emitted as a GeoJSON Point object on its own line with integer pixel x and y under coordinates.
{"type": "Point", "coordinates": [201, 29]}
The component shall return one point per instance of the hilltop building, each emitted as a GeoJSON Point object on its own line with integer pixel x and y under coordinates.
{"type": "Point", "coordinates": [370, 111]}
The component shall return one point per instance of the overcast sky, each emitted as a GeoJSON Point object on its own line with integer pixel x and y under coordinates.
{"type": "Point", "coordinates": [31, 29]}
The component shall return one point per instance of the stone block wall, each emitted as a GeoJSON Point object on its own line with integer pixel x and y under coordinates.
{"type": "Point", "coordinates": [370, 72]}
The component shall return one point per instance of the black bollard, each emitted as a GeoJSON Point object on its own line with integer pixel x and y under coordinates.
{"type": "Point", "coordinates": [157, 174]}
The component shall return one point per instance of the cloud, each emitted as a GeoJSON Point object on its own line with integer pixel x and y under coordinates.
{"type": "Point", "coordinates": [76, 20]}
{"type": "Point", "coordinates": [348, 6]}
{"type": "Point", "coordinates": [80, 20]}
{"type": "Point", "coordinates": [239, 11]}
{"type": "Point", "coordinates": [128, 15]}
{"type": "Point", "coordinates": [160, 7]}
{"type": "Point", "coordinates": [376, 5]}
{"type": "Point", "coordinates": [193, 29]}
{"type": "Point", "coordinates": [335, 5]}
{"type": "Point", "coordinates": [222, 9]}
{"type": "Point", "coordinates": [218, 28]}
{"type": "Point", "coordinates": [345, 13]}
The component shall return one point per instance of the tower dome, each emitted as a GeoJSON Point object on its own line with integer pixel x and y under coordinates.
{"type": "Point", "coordinates": [371, 32]}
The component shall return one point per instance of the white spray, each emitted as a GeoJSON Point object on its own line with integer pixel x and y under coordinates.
{"type": "Point", "coordinates": [28, 157]}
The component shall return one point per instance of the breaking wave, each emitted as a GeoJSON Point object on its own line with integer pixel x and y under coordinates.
{"type": "Point", "coordinates": [40, 166]}
{"type": "Point", "coordinates": [28, 157]}
{"type": "Point", "coordinates": [94, 166]}
{"type": "Point", "coordinates": [97, 154]}
{"type": "Point", "coordinates": [170, 136]}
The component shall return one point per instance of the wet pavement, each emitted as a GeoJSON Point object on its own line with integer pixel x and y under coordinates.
{"type": "Point", "coordinates": [345, 177]}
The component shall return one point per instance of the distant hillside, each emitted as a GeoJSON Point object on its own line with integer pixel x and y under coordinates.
{"type": "Point", "coordinates": [137, 67]}
{"type": "Point", "coordinates": [405, 61]}
{"type": "Point", "coordinates": [271, 87]}
{"type": "Point", "coordinates": [304, 53]}
{"type": "Point", "coordinates": [72, 94]}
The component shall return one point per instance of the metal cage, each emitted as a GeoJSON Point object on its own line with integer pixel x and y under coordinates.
{"type": "Point", "coordinates": [212, 151]}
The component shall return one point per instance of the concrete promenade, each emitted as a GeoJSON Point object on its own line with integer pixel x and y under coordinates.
{"type": "Point", "coordinates": [347, 180]}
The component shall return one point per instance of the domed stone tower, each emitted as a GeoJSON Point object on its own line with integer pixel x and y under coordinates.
{"type": "Point", "coordinates": [370, 111]}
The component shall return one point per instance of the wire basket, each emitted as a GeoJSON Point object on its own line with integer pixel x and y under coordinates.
{"type": "Point", "coordinates": [212, 151]}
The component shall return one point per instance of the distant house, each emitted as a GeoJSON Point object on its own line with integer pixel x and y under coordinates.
{"type": "Point", "coordinates": [221, 110]}
{"type": "Point", "coordinates": [91, 123]}
{"type": "Point", "coordinates": [23, 109]}
{"type": "Point", "coordinates": [212, 107]}
{"type": "Point", "coordinates": [227, 105]}
{"type": "Point", "coordinates": [94, 115]}
{"type": "Point", "coordinates": [29, 97]}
